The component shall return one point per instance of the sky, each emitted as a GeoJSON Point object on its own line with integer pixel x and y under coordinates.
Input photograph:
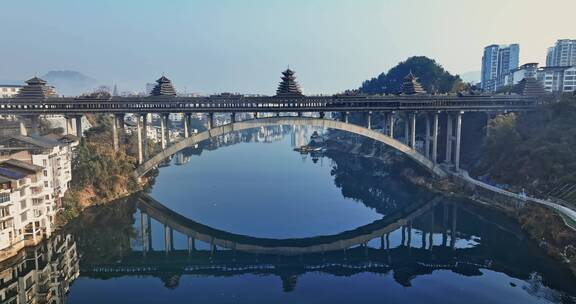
{"type": "Point", "coordinates": [210, 46]}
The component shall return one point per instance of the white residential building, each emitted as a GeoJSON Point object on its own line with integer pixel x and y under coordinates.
{"type": "Point", "coordinates": [558, 79]}
{"type": "Point", "coordinates": [9, 90]}
{"type": "Point", "coordinates": [35, 172]}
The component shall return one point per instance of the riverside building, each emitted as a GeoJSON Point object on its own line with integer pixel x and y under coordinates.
{"type": "Point", "coordinates": [35, 172]}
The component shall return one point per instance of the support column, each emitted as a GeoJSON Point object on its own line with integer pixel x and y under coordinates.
{"type": "Point", "coordinates": [167, 238]}
{"type": "Point", "coordinates": [435, 139]}
{"type": "Point", "coordinates": [139, 138]}
{"type": "Point", "coordinates": [322, 115]}
{"type": "Point", "coordinates": [145, 135]}
{"type": "Point", "coordinates": [210, 122]}
{"type": "Point", "coordinates": [233, 117]}
{"type": "Point", "coordinates": [186, 117]}
{"type": "Point", "coordinates": [78, 120]}
{"type": "Point", "coordinates": [143, 231]}
{"type": "Point", "coordinates": [255, 115]}
{"type": "Point", "coordinates": [369, 119]}
{"type": "Point", "coordinates": [167, 126]}
{"type": "Point", "coordinates": [69, 125]}
{"type": "Point", "coordinates": [121, 129]}
{"type": "Point", "coordinates": [427, 138]}
{"type": "Point", "coordinates": [458, 141]}
{"type": "Point", "coordinates": [448, 138]}
{"type": "Point", "coordinates": [406, 130]}
{"type": "Point", "coordinates": [191, 244]}
{"type": "Point", "coordinates": [162, 132]}
{"type": "Point", "coordinates": [22, 126]}
{"type": "Point", "coordinates": [431, 236]}
{"type": "Point", "coordinates": [114, 132]}
{"type": "Point", "coordinates": [453, 229]}
{"type": "Point", "coordinates": [391, 123]}
{"type": "Point", "coordinates": [413, 131]}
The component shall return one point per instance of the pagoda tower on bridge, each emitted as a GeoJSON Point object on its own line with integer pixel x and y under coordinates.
{"type": "Point", "coordinates": [288, 86]}
{"type": "Point", "coordinates": [163, 87]}
{"type": "Point", "coordinates": [36, 88]}
{"type": "Point", "coordinates": [411, 86]}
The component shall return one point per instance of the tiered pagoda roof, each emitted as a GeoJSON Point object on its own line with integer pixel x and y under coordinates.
{"type": "Point", "coordinates": [163, 87]}
{"type": "Point", "coordinates": [411, 86]}
{"type": "Point", "coordinates": [36, 88]}
{"type": "Point", "coordinates": [529, 86]}
{"type": "Point", "coordinates": [288, 86]}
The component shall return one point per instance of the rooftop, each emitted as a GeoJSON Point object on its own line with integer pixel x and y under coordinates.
{"type": "Point", "coordinates": [21, 165]}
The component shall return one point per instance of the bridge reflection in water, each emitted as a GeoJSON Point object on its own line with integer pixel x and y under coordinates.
{"type": "Point", "coordinates": [429, 240]}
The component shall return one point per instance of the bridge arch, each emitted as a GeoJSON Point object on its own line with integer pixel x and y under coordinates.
{"type": "Point", "coordinates": [287, 247]}
{"type": "Point", "coordinates": [301, 121]}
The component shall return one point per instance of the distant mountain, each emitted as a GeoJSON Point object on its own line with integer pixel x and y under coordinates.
{"type": "Point", "coordinates": [430, 74]}
{"type": "Point", "coordinates": [471, 77]}
{"type": "Point", "coordinates": [70, 83]}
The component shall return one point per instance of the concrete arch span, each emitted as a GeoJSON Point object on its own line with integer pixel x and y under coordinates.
{"type": "Point", "coordinates": [301, 121]}
{"type": "Point", "coordinates": [296, 246]}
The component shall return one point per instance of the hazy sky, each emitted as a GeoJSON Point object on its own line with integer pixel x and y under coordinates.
{"type": "Point", "coordinates": [242, 45]}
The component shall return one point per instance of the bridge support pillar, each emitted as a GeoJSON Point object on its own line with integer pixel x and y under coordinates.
{"type": "Point", "coordinates": [168, 237]}
{"type": "Point", "coordinates": [255, 115]}
{"type": "Point", "coordinates": [428, 138]}
{"type": "Point", "coordinates": [186, 117]}
{"type": "Point", "coordinates": [22, 127]}
{"type": "Point", "coordinates": [458, 141]}
{"type": "Point", "coordinates": [407, 129]}
{"type": "Point", "coordinates": [191, 245]}
{"type": "Point", "coordinates": [121, 129]}
{"type": "Point", "coordinates": [78, 120]}
{"type": "Point", "coordinates": [144, 230]}
{"type": "Point", "coordinates": [233, 117]}
{"type": "Point", "coordinates": [345, 116]}
{"type": "Point", "coordinates": [115, 132]}
{"type": "Point", "coordinates": [435, 139]}
{"type": "Point", "coordinates": [210, 122]}
{"type": "Point", "coordinates": [431, 235]}
{"type": "Point", "coordinates": [413, 130]}
{"type": "Point", "coordinates": [453, 229]}
{"type": "Point", "coordinates": [162, 132]}
{"type": "Point", "coordinates": [409, 233]}
{"type": "Point", "coordinates": [69, 125]}
{"type": "Point", "coordinates": [449, 137]}
{"type": "Point", "coordinates": [391, 124]}
{"type": "Point", "coordinates": [145, 135]}
{"type": "Point", "coordinates": [299, 114]}
{"type": "Point", "coordinates": [322, 115]}
{"type": "Point", "coordinates": [139, 139]}
{"type": "Point", "coordinates": [369, 119]}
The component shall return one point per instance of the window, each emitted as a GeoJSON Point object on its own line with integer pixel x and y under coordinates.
{"type": "Point", "coordinates": [45, 172]}
{"type": "Point", "coordinates": [5, 197]}
{"type": "Point", "coordinates": [44, 162]}
{"type": "Point", "coordinates": [23, 204]}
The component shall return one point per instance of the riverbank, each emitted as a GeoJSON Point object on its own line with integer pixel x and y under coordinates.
{"type": "Point", "coordinates": [101, 174]}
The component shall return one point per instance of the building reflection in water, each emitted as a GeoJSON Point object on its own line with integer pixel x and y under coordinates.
{"type": "Point", "coordinates": [40, 274]}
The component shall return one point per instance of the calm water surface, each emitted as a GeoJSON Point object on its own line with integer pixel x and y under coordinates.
{"type": "Point", "coordinates": [447, 252]}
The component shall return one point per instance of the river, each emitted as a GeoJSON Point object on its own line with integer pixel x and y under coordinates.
{"type": "Point", "coordinates": [267, 224]}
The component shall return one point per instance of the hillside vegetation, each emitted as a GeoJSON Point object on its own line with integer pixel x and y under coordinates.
{"type": "Point", "coordinates": [535, 150]}
{"type": "Point", "coordinates": [431, 75]}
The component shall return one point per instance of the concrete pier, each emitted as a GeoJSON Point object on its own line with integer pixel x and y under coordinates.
{"type": "Point", "coordinates": [391, 124]}
{"type": "Point", "coordinates": [78, 119]}
{"type": "Point", "coordinates": [186, 122]}
{"type": "Point", "coordinates": [369, 119]}
{"type": "Point", "coordinates": [458, 141]}
{"type": "Point", "coordinates": [449, 130]}
{"type": "Point", "coordinates": [115, 133]}
{"type": "Point", "coordinates": [435, 139]}
{"type": "Point", "coordinates": [413, 130]}
{"type": "Point", "coordinates": [139, 138]}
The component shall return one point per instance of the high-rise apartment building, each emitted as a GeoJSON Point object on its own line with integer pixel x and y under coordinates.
{"type": "Point", "coordinates": [497, 61]}
{"type": "Point", "coordinates": [562, 54]}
